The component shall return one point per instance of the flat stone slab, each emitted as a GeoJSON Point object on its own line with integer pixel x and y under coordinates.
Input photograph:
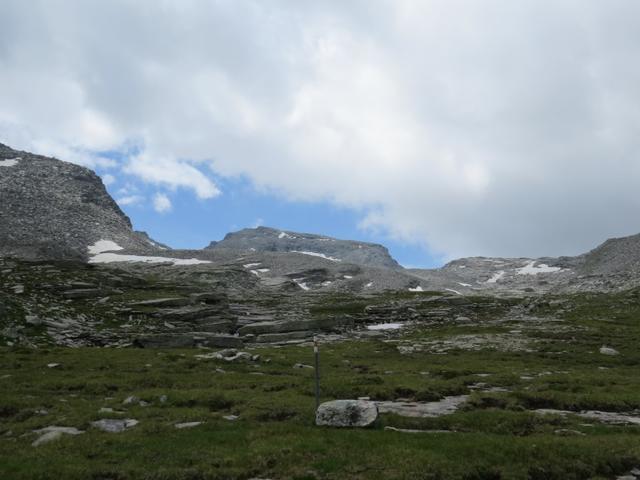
{"type": "Point", "coordinates": [180, 426]}
{"type": "Point", "coordinates": [163, 302]}
{"type": "Point", "coordinates": [411, 430]}
{"type": "Point", "coordinates": [49, 434]}
{"type": "Point", "coordinates": [111, 425]}
{"type": "Point", "coordinates": [613, 418]}
{"type": "Point", "coordinates": [446, 406]}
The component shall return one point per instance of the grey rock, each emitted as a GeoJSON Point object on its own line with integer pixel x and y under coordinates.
{"type": "Point", "coordinates": [181, 426]}
{"type": "Point", "coordinates": [608, 351]}
{"type": "Point", "coordinates": [347, 413]}
{"type": "Point", "coordinates": [165, 341]}
{"type": "Point", "coordinates": [222, 341]}
{"type": "Point", "coordinates": [33, 320]}
{"type": "Point", "coordinates": [564, 432]}
{"type": "Point", "coordinates": [259, 328]}
{"type": "Point", "coordinates": [49, 434]}
{"type": "Point", "coordinates": [84, 293]}
{"type": "Point", "coordinates": [302, 365]}
{"type": "Point", "coordinates": [111, 425]}
{"type": "Point", "coordinates": [163, 302]}
{"type": "Point", "coordinates": [283, 337]}
{"type": "Point", "coordinates": [446, 406]}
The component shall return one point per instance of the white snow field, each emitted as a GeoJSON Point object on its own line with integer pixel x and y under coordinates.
{"type": "Point", "coordinates": [10, 162]}
{"type": "Point", "coordinates": [315, 254]}
{"type": "Point", "coordinates": [102, 252]}
{"type": "Point", "coordinates": [531, 269]}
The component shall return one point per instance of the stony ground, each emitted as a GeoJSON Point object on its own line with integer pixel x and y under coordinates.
{"type": "Point", "coordinates": [543, 390]}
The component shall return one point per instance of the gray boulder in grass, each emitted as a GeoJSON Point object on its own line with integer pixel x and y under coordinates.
{"type": "Point", "coordinates": [347, 413]}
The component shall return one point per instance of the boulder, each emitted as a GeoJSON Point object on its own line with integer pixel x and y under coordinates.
{"type": "Point", "coordinates": [347, 413]}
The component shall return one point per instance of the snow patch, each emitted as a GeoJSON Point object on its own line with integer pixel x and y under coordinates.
{"type": "Point", "coordinates": [452, 290]}
{"type": "Point", "coordinates": [416, 289]}
{"type": "Point", "coordinates": [385, 326]}
{"type": "Point", "coordinates": [103, 246]}
{"type": "Point", "coordinates": [348, 277]}
{"type": "Point", "coordinates": [464, 284]}
{"type": "Point", "coordinates": [301, 284]}
{"type": "Point", "coordinates": [102, 252]}
{"type": "Point", "coordinates": [285, 235]}
{"type": "Point", "coordinates": [369, 285]}
{"type": "Point", "coordinates": [496, 276]}
{"type": "Point", "coordinates": [10, 162]}
{"type": "Point", "coordinates": [531, 269]}
{"type": "Point", "coordinates": [252, 265]}
{"type": "Point", "coordinates": [315, 254]}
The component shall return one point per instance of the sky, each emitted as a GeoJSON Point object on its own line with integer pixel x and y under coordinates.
{"type": "Point", "coordinates": [441, 128]}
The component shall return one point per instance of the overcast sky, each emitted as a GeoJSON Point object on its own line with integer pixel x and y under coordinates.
{"type": "Point", "coordinates": [456, 127]}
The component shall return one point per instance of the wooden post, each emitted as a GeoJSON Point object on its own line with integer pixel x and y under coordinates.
{"type": "Point", "coordinates": [317, 369]}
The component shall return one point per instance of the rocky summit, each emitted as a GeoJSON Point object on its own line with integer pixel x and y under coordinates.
{"type": "Point", "coordinates": [50, 209]}
{"type": "Point", "coordinates": [265, 239]}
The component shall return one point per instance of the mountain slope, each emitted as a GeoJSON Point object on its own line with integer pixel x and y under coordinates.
{"type": "Point", "coordinates": [54, 209]}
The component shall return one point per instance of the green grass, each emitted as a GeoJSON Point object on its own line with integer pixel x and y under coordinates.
{"type": "Point", "coordinates": [495, 435]}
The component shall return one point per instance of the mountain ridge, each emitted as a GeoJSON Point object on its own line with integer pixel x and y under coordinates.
{"type": "Point", "coordinates": [54, 209]}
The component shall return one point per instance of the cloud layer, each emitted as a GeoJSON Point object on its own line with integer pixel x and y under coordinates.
{"type": "Point", "coordinates": [493, 127]}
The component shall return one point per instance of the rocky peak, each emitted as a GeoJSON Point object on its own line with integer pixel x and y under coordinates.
{"type": "Point", "coordinates": [266, 239]}
{"type": "Point", "coordinates": [55, 209]}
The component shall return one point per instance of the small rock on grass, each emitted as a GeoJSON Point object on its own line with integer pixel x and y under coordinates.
{"type": "Point", "coordinates": [112, 425]}
{"type": "Point", "coordinates": [49, 434]}
{"type": "Point", "coordinates": [187, 425]}
{"type": "Point", "coordinates": [604, 350]}
{"type": "Point", "coordinates": [302, 365]}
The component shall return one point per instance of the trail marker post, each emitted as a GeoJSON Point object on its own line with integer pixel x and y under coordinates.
{"type": "Point", "coordinates": [317, 370]}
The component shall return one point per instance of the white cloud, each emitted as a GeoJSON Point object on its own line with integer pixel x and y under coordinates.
{"type": "Point", "coordinates": [171, 172]}
{"type": "Point", "coordinates": [471, 127]}
{"type": "Point", "coordinates": [108, 179]}
{"type": "Point", "coordinates": [130, 200]}
{"type": "Point", "coordinates": [162, 203]}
